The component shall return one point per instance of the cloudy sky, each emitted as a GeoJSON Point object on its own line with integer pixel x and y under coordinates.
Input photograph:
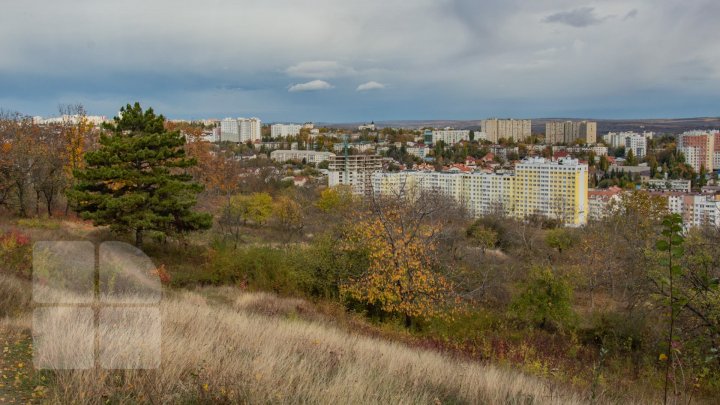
{"type": "Point", "coordinates": [343, 60]}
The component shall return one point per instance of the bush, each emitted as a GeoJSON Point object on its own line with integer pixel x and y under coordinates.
{"type": "Point", "coordinates": [260, 268]}
{"type": "Point", "coordinates": [545, 301]}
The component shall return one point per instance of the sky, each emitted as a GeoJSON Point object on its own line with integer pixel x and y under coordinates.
{"type": "Point", "coordinates": [359, 61]}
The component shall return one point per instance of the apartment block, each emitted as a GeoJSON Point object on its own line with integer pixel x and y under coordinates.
{"type": "Point", "coordinates": [536, 187]}
{"type": "Point", "coordinates": [285, 130]}
{"type": "Point", "coordinates": [516, 130]}
{"type": "Point", "coordinates": [569, 131]}
{"type": "Point", "coordinates": [600, 201]}
{"type": "Point", "coordinates": [695, 209]}
{"type": "Point", "coordinates": [700, 149]}
{"type": "Point", "coordinates": [637, 144]}
{"type": "Point", "coordinates": [241, 130]}
{"type": "Point", "coordinates": [450, 136]}
{"type": "Point", "coordinates": [618, 139]}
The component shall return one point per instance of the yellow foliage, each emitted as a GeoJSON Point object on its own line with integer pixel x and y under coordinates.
{"type": "Point", "coordinates": [401, 277]}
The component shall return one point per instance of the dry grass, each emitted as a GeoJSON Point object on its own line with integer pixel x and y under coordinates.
{"type": "Point", "coordinates": [221, 345]}
{"type": "Point", "coordinates": [14, 296]}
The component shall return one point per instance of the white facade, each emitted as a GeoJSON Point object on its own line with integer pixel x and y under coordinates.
{"type": "Point", "coordinates": [450, 136]}
{"type": "Point", "coordinates": [637, 143]}
{"type": "Point", "coordinates": [285, 130]}
{"type": "Point", "coordinates": [241, 130]}
{"type": "Point", "coordinates": [696, 209]}
{"type": "Point", "coordinates": [417, 150]}
{"type": "Point", "coordinates": [538, 186]}
{"type": "Point", "coordinates": [618, 139]}
{"type": "Point", "coordinates": [309, 156]}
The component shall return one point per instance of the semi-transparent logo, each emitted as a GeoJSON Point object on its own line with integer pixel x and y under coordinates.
{"type": "Point", "coordinates": [95, 309]}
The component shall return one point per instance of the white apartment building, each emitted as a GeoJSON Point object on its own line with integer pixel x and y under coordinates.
{"type": "Point", "coordinates": [637, 144]}
{"type": "Point", "coordinates": [241, 130]}
{"type": "Point", "coordinates": [601, 201]}
{"type": "Point", "coordinates": [669, 185]}
{"type": "Point", "coordinates": [696, 209]}
{"type": "Point", "coordinates": [418, 150]}
{"type": "Point", "coordinates": [285, 130]}
{"type": "Point", "coordinates": [450, 136]}
{"type": "Point", "coordinates": [618, 139]}
{"type": "Point", "coordinates": [70, 119]}
{"type": "Point", "coordinates": [536, 187]}
{"type": "Point", "coordinates": [308, 156]}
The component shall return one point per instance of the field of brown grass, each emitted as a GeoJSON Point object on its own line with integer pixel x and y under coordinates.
{"type": "Point", "coordinates": [224, 345]}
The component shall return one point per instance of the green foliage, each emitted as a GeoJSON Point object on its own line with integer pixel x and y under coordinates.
{"type": "Point", "coordinates": [670, 244]}
{"type": "Point", "coordinates": [335, 199]}
{"type": "Point", "coordinates": [260, 268]}
{"type": "Point", "coordinates": [559, 238]}
{"type": "Point", "coordinates": [256, 207]}
{"type": "Point", "coordinates": [137, 180]}
{"type": "Point", "coordinates": [545, 301]}
{"type": "Point", "coordinates": [483, 236]}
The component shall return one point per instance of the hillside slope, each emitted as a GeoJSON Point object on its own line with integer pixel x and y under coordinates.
{"type": "Point", "coordinates": [217, 347]}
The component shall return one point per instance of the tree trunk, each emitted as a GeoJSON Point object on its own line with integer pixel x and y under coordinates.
{"type": "Point", "coordinates": [138, 238]}
{"type": "Point", "coordinates": [408, 321]}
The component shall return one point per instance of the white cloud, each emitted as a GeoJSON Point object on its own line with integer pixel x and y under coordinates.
{"type": "Point", "coordinates": [311, 86]}
{"type": "Point", "coordinates": [371, 85]}
{"type": "Point", "coordinates": [319, 69]}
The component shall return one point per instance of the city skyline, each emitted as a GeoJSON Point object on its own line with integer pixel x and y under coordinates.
{"type": "Point", "coordinates": [330, 61]}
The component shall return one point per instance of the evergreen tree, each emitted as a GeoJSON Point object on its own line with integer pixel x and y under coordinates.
{"type": "Point", "coordinates": [137, 180]}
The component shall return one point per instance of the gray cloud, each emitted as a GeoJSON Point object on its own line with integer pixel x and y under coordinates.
{"type": "Point", "coordinates": [237, 57]}
{"type": "Point", "coordinates": [631, 14]}
{"type": "Point", "coordinates": [319, 69]}
{"type": "Point", "coordinates": [579, 17]}
{"type": "Point", "coordinates": [311, 86]}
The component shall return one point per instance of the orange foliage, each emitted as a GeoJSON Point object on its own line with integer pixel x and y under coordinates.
{"type": "Point", "coordinates": [402, 276]}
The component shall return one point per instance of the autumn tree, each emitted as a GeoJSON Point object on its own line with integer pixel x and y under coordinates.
{"type": "Point", "coordinates": [404, 275]}
{"type": "Point", "coordinates": [137, 180]}
{"type": "Point", "coordinates": [289, 215]}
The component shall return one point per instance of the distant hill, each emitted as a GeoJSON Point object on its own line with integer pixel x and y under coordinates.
{"type": "Point", "coordinates": [665, 125]}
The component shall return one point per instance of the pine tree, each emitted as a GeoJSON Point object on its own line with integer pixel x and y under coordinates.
{"type": "Point", "coordinates": [137, 180]}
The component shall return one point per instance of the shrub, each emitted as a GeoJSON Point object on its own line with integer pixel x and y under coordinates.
{"type": "Point", "coordinates": [545, 301]}
{"type": "Point", "coordinates": [260, 268]}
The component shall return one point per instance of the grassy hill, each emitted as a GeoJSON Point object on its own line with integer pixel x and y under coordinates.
{"type": "Point", "coordinates": [224, 345]}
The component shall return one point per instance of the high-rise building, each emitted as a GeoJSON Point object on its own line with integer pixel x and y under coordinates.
{"type": "Point", "coordinates": [285, 130]}
{"type": "Point", "coordinates": [511, 129]}
{"type": "Point", "coordinates": [230, 130]}
{"type": "Point", "coordinates": [536, 187]}
{"type": "Point", "coordinates": [241, 129]}
{"type": "Point", "coordinates": [700, 149]}
{"type": "Point", "coordinates": [570, 131]}
{"type": "Point", "coordinates": [618, 139]}
{"type": "Point", "coordinates": [637, 144]}
{"type": "Point", "coordinates": [355, 171]}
